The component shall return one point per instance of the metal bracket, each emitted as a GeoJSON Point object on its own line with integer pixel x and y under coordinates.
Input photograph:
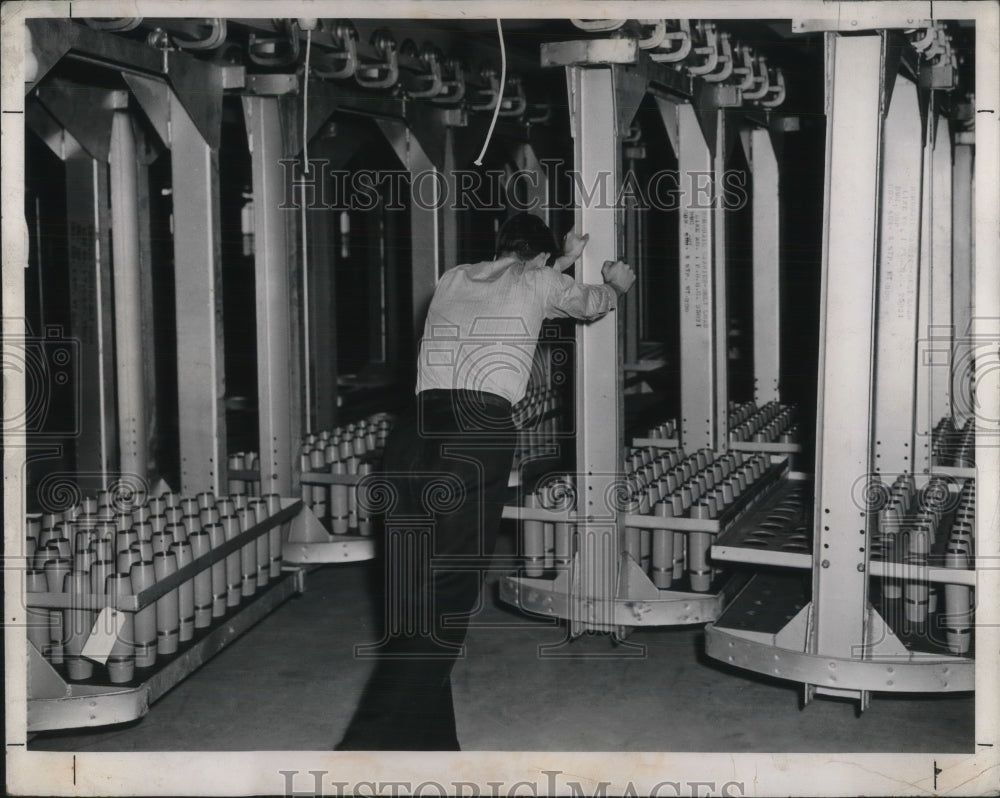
{"type": "Point", "coordinates": [272, 85]}
{"type": "Point", "coordinates": [853, 23]}
{"type": "Point", "coordinates": [153, 97]}
{"type": "Point", "coordinates": [590, 52]}
{"type": "Point", "coordinates": [85, 111]}
{"type": "Point", "coordinates": [452, 83]}
{"type": "Point", "coordinates": [428, 85]}
{"type": "Point", "coordinates": [342, 63]}
{"type": "Point", "coordinates": [275, 51]}
{"type": "Point", "coordinates": [678, 53]}
{"type": "Point", "coordinates": [383, 73]}
{"type": "Point", "coordinates": [488, 97]}
{"type": "Point", "coordinates": [516, 105]}
{"type": "Point", "coordinates": [200, 92]}
{"type": "Point", "coordinates": [630, 90]}
{"type": "Point", "coordinates": [709, 50]}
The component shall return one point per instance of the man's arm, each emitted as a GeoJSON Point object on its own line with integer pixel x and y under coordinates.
{"type": "Point", "coordinates": [573, 246]}
{"type": "Point", "coordinates": [586, 301]}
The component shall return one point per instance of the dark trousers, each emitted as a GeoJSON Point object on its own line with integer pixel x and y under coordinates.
{"type": "Point", "coordinates": [445, 472]}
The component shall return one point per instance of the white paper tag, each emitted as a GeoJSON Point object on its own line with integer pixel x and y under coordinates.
{"type": "Point", "coordinates": [102, 638]}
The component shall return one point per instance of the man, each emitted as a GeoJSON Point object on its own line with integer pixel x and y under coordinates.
{"type": "Point", "coordinates": [447, 465]}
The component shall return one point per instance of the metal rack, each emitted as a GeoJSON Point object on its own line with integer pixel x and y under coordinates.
{"type": "Point", "coordinates": [595, 580]}
{"type": "Point", "coordinates": [849, 558]}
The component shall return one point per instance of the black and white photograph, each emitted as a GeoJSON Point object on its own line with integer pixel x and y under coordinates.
{"type": "Point", "coordinates": [497, 399]}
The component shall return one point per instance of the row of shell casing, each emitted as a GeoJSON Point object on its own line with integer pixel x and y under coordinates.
{"type": "Point", "coordinates": [907, 526]}
{"type": "Point", "coordinates": [960, 600]}
{"type": "Point", "coordinates": [100, 550]}
{"type": "Point", "coordinates": [346, 451]}
{"type": "Point", "coordinates": [699, 485]}
{"type": "Point", "coordinates": [657, 482]}
{"type": "Point", "coordinates": [952, 446]}
{"type": "Point", "coordinates": [767, 424]}
{"type": "Point", "coordinates": [243, 461]}
{"type": "Point", "coordinates": [356, 437]}
{"type": "Point", "coordinates": [665, 430]}
{"type": "Point", "coordinates": [538, 418]}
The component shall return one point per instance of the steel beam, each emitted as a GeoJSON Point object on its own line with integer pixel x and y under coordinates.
{"type": "Point", "coordinates": [91, 320]}
{"type": "Point", "coordinates": [128, 298]}
{"type": "Point", "coordinates": [449, 215]}
{"type": "Point", "coordinates": [720, 317]}
{"type": "Point", "coordinates": [279, 393]}
{"type": "Point", "coordinates": [198, 290]}
{"type": "Point", "coordinates": [766, 268]}
{"type": "Point", "coordinates": [699, 369]}
{"type": "Point", "coordinates": [899, 262]}
{"type": "Point", "coordinates": [596, 156]}
{"type": "Point", "coordinates": [854, 69]}
{"type": "Point", "coordinates": [322, 258]}
{"type": "Point", "coordinates": [426, 185]}
{"type": "Point", "coordinates": [940, 283]}
{"type": "Point", "coordinates": [934, 333]}
{"type": "Point", "coordinates": [146, 305]}
{"type": "Point", "coordinates": [961, 276]}
{"type": "Point", "coordinates": [632, 304]}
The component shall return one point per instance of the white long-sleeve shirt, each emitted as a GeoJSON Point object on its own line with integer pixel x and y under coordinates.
{"type": "Point", "coordinates": [483, 323]}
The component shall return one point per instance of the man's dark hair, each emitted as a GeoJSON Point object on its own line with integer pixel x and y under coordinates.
{"type": "Point", "coordinates": [526, 236]}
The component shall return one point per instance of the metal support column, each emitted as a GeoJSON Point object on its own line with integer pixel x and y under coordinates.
{"type": "Point", "coordinates": [633, 243]}
{"type": "Point", "coordinates": [854, 108]}
{"type": "Point", "coordinates": [322, 258]}
{"type": "Point", "coordinates": [720, 313]}
{"type": "Point", "coordinates": [92, 324]}
{"type": "Point", "coordinates": [128, 297]}
{"type": "Point", "coordinates": [279, 394]}
{"type": "Point", "coordinates": [449, 214]}
{"type": "Point", "coordinates": [147, 302]}
{"type": "Point", "coordinates": [766, 268]}
{"type": "Point", "coordinates": [899, 260]}
{"type": "Point", "coordinates": [198, 287]}
{"type": "Point", "coordinates": [961, 276]}
{"type": "Point", "coordinates": [934, 333]}
{"type": "Point", "coordinates": [699, 369]}
{"type": "Point", "coordinates": [596, 156]}
{"type": "Point", "coordinates": [941, 260]}
{"type": "Point", "coordinates": [426, 187]}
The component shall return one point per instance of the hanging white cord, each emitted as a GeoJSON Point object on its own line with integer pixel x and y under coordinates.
{"type": "Point", "coordinates": [496, 109]}
{"type": "Point", "coordinates": [305, 260]}
{"type": "Point", "coordinates": [305, 105]}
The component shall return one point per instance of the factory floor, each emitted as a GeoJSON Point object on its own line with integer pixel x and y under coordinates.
{"type": "Point", "coordinates": [292, 682]}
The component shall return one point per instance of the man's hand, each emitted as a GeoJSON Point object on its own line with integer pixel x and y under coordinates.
{"type": "Point", "coordinates": [573, 246]}
{"type": "Point", "coordinates": [618, 275]}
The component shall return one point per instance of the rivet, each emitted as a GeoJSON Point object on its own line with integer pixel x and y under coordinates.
{"type": "Point", "coordinates": [825, 563]}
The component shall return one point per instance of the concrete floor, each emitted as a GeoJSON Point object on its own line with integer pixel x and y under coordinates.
{"type": "Point", "coordinates": [291, 683]}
